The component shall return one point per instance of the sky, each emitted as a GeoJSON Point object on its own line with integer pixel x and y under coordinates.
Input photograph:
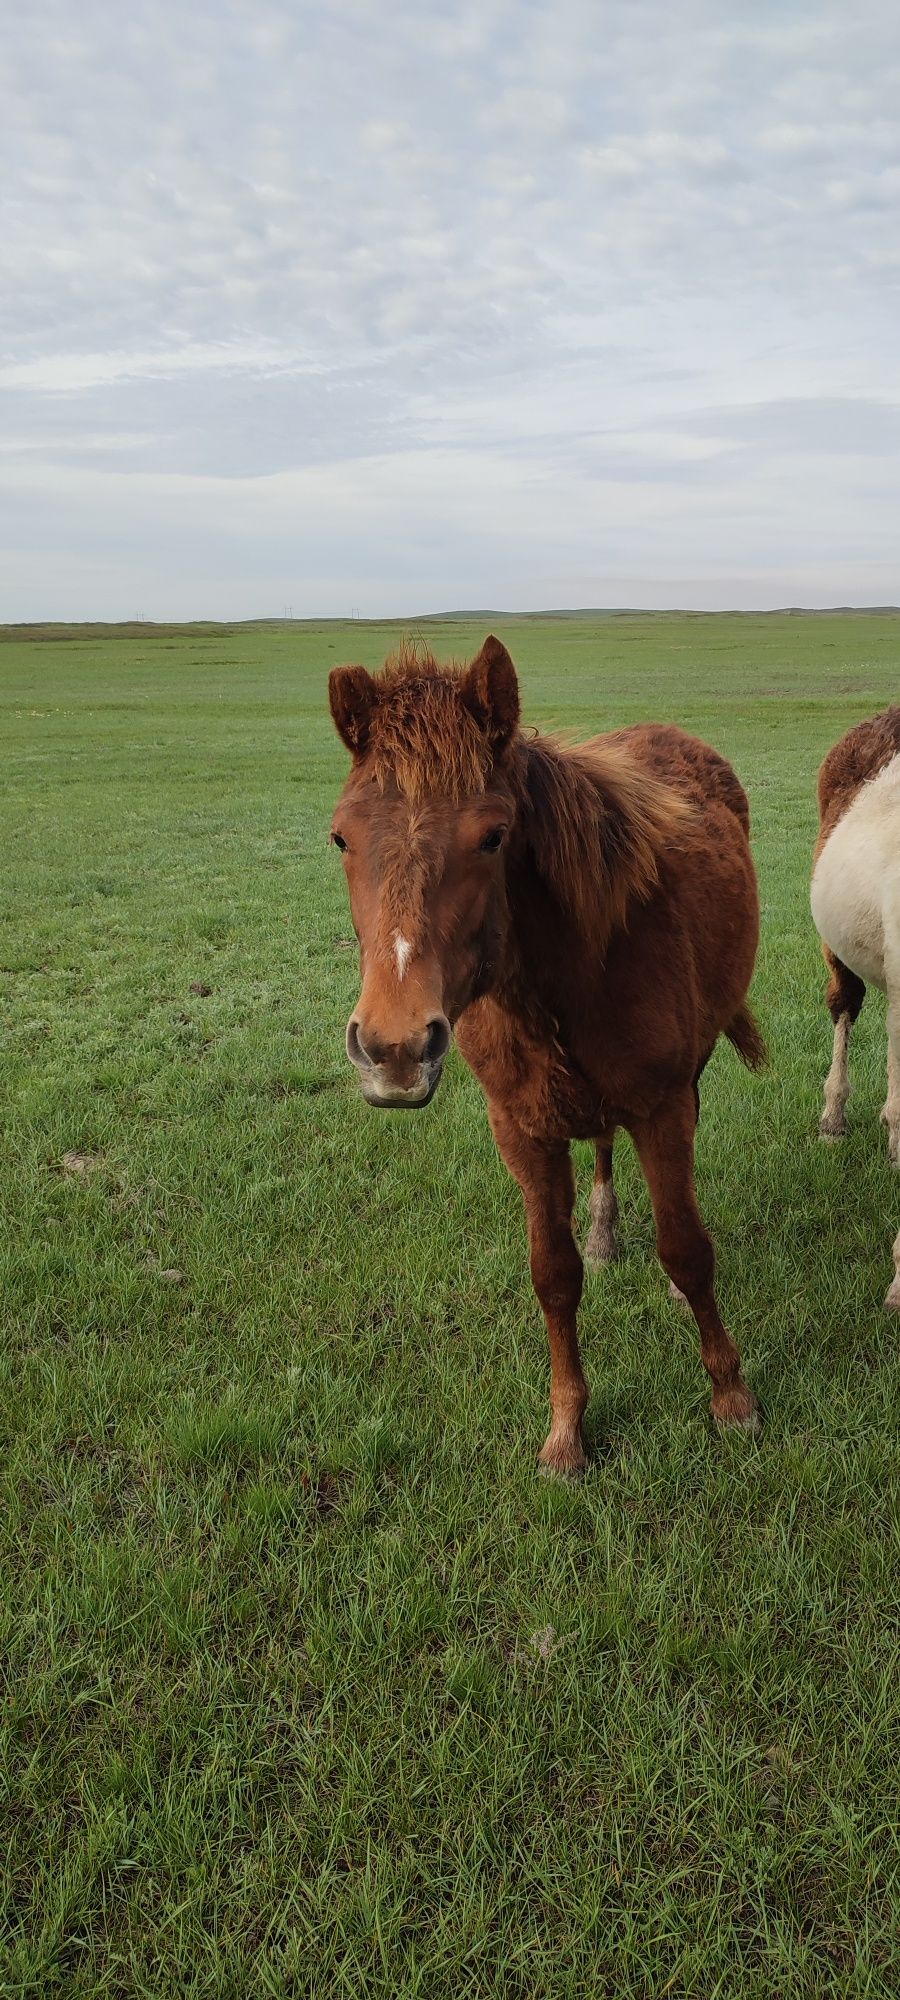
{"type": "Point", "coordinates": [396, 309]}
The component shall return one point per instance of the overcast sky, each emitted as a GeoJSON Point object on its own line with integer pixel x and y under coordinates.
{"type": "Point", "coordinates": [414, 306]}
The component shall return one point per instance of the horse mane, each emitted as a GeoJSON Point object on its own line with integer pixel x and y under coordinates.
{"type": "Point", "coordinates": [596, 824]}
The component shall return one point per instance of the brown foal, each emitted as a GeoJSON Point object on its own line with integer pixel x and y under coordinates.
{"type": "Point", "coordinates": [585, 920]}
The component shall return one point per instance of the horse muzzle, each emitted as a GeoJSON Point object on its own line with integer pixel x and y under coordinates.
{"type": "Point", "coordinates": [399, 1076]}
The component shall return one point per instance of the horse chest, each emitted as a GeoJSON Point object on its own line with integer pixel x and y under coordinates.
{"type": "Point", "coordinates": [854, 886]}
{"type": "Point", "coordinates": [562, 1104]}
{"type": "Point", "coordinates": [539, 1084]}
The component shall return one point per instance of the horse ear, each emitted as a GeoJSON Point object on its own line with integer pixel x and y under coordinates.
{"type": "Point", "coordinates": [490, 692]}
{"type": "Point", "coordinates": [353, 698]}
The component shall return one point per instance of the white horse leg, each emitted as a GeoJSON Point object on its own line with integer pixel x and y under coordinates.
{"type": "Point", "coordinates": [844, 998]}
{"type": "Point", "coordinates": [602, 1245]}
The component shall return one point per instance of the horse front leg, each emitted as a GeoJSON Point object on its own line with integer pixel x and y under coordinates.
{"type": "Point", "coordinates": [665, 1146]}
{"type": "Point", "coordinates": [544, 1174]}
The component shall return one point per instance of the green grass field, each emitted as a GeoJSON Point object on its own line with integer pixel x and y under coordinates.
{"type": "Point", "coordinates": [311, 1686]}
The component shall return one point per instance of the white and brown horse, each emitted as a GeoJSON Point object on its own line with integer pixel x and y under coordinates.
{"type": "Point", "coordinates": [586, 920]}
{"type": "Point", "coordinates": [855, 900]}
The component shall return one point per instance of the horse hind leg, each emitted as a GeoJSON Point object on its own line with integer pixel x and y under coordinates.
{"type": "Point", "coordinates": [679, 1297]}
{"type": "Point", "coordinates": [844, 998]}
{"type": "Point", "coordinates": [602, 1242]}
{"type": "Point", "coordinates": [666, 1150]}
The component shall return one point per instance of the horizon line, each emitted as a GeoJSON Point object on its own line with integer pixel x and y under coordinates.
{"type": "Point", "coordinates": [463, 615]}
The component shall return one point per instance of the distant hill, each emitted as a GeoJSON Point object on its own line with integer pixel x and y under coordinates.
{"type": "Point", "coordinates": [207, 627]}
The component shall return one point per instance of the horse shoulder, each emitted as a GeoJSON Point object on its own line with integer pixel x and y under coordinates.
{"type": "Point", "coordinates": [858, 756]}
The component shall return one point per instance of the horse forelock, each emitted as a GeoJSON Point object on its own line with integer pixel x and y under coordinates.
{"type": "Point", "coordinates": [423, 738]}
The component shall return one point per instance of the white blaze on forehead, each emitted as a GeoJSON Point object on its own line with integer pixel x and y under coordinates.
{"type": "Point", "coordinates": [402, 953]}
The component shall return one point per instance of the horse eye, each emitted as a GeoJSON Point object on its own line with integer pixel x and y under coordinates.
{"type": "Point", "coordinates": [340, 842]}
{"type": "Point", "coordinates": [492, 841]}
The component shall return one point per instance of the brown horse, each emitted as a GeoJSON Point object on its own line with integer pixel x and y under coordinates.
{"type": "Point", "coordinates": [855, 899]}
{"type": "Point", "coordinates": [586, 920]}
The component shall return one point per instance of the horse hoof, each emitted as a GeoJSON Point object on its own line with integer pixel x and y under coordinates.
{"type": "Point", "coordinates": [559, 1475]}
{"type": "Point", "coordinates": [892, 1300]}
{"type": "Point", "coordinates": [737, 1409]}
{"type": "Point", "coordinates": [601, 1249]}
{"type": "Point", "coordinates": [832, 1134]}
{"type": "Point", "coordinates": [564, 1461]}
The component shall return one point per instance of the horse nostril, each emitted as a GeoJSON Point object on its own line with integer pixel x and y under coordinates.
{"type": "Point", "coordinates": [437, 1039]}
{"type": "Point", "coordinates": [367, 1052]}
{"type": "Point", "coordinates": [356, 1048]}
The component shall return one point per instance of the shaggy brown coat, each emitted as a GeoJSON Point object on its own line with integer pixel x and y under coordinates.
{"type": "Point", "coordinates": [586, 919]}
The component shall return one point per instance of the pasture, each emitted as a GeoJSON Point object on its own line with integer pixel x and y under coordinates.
{"type": "Point", "coordinates": [311, 1686]}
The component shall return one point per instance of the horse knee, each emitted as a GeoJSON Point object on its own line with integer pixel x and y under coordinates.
{"type": "Point", "coordinates": [689, 1260]}
{"type": "Point", "coordinates": [557, 1273]}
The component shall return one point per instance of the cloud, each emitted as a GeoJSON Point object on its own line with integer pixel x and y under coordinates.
{"type": "Point", "coordinates": [63, 374]}
{"type": "Point", "coordinates": [390, 253]}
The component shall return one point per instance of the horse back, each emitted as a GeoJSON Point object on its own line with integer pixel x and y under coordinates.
{"type": "Point", "coordinates": [694, 768]}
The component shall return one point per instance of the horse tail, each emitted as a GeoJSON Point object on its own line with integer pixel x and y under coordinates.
{"type": "Point", "coordinates": [744, 1035]}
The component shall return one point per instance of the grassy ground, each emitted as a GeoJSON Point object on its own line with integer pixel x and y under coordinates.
{"type": "Point", "coordinates": [311, 1686]}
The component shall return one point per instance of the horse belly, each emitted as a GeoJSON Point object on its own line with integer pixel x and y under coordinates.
{"type": "Point", "coordinates": [854, 881]}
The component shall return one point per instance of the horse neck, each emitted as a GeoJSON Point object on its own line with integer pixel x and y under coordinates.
{"type": "Point", "coordinates": [549, 950]}
{"type": "Point", "coordinates": [591, 828]}
{"type": "Point", "coordinates": [540, 963]}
